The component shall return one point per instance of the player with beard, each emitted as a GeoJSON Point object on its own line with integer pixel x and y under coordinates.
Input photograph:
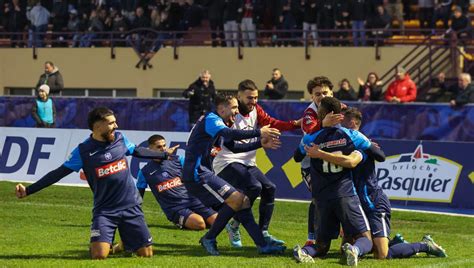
{"type": "Point", "coordinates": [116, 199]}
{"type": "Point", "coordinates": [213, 191]}
{"type": "Point", "coordinates": [240, 169]}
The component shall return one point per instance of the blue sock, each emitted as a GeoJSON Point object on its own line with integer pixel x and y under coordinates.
{"type": "Point", "coordinates": [404, 250]}
{"type": "Point", "coordinates": [245, 216]}
{"type": "Point", "coordinates": [363, 245]}
{"type": "Point", "coordinates": [265, 211]}
{"type": "Point", "coordinates": [315, 250]}
{"type": "Point", "coordinates": [225, 213]}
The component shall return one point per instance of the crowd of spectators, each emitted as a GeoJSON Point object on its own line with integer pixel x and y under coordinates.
{"type": "Point", "coordinates": [84, 19]}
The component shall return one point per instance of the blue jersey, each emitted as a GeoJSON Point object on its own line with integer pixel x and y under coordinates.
{"type": "Point", "coordinates": [107, 172]}
{"type": "Point", "coordinates": [330, 181]}
{"type": "Point", "coordinates": [207, 132]}
{"type": "Point", "coordinates": [164, 179]}
{"type": "Point", "coordinates": [370, 193]}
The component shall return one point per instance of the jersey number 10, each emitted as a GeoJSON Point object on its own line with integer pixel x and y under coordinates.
{"type": "Point", "coordinates": [331, 167]}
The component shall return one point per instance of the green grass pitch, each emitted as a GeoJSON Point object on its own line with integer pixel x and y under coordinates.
{"type": "Point", "coordinates": [51, 228]}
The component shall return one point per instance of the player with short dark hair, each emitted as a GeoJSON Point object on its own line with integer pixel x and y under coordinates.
{"type": "Point", "coordinates": [335, 199]}
{"type": "Point", "coordinates": [374, 201]}
{"type": "Point", "coordinates": [164, 179]}
{"type": "Point", "coordinates": [116, 199]}
{"type": "Point", "coordinates": [213, 191]}
{"type": "Point", "coordinates": [240, 169]}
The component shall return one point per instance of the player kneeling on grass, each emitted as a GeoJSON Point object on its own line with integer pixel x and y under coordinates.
{"type": "Point", "coordinates": [164, 179]}
{"type": "Point", "coordinates": [332, 190]}
{"type": "Point", "coordinates": [374, 201]}
{"type": "Point", "coordinates": [116, 199]}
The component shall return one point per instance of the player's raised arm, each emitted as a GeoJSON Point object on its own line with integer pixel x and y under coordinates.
{"type": "Point", "coordinates": [347, 161]}
{"type": "Point", "coordinates": [51, 178]}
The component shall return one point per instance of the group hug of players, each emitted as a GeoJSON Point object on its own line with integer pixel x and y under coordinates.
{"type": "Point", "coordinates": [217, 182]}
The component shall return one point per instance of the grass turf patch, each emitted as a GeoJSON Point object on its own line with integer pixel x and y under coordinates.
{"type": "Point", "coordinates": [51, 228]}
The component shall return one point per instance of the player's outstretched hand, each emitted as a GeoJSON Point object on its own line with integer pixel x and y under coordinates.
{"type": "Point", "coordinates": [268, 132]}
{"type": "Point", "coordinates": [171, 150]}
{"type": "Point", "coordinates": [332, 119]}
{"type": "Point", "coordinates": [271, 143]}
{"type": "Point", "coordinates": [20, 190]}
{"type": "Point", "coordinates": [312, 151]}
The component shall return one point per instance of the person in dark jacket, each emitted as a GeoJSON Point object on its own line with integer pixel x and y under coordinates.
{"type": "Point", "coordinates": [276, 87]}
{"type": "Point", "coordinates": [310, 18]}
{"type": "Point", "coordinates": [230, 17]}
{"type": "Point", "coordinates": [51, 77]}
{"type": "Point", "coordinates": [201, 94]}
{"type": "Point", "coordinates": [465, 91]}
{"type": "Point", "coordinates": [15, 16]}
{"type": "Point", "coordinates": [371, 90]}
{"type": "Point", "coordinates": [380, 24]}
{"type": "Point", "coordinates": [43, 110]}
{"type": "Point", "coordinates": [358, 10]}
{"type": "Point", "coordinates": [215, 8]}
{"type": "Point", "coordinates": [346, 92]}
{"type": "Point", "coordinates": [460, 24]}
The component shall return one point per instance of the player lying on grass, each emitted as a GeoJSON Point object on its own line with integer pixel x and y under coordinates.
{"type": "Point", "coordinates": [116, 199]}
{"type": "Point", "coordinates": [213, 191]}
{"type": "Point", "coordinates": [374, 201]}
{"type": "Point", "coordinates": [336, 202]}
{"type": "Point", "coordinates": [164, 179]}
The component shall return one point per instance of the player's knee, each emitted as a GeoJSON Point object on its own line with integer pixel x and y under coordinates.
{"type": "Point", "coordinates": [99, 254]}
{"type": "Point", "coordinates": [254, 191]}
{"type": "Point", "coordinates": [99, 250]}
{"type": "Point", "coordinates": [235, 201]}
{"type": "Point", "coordinates": [198, 224]}
{"type": "Point", "coordinates": [268, 191]}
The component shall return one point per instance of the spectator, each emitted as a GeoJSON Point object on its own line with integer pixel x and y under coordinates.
{"type": "Point", "coordinates": [425, 13]}
{"type": "Point", "coordinates": [15, 16]}
{"type": "Point", "coordinates": [43, 110]}
{"type": "Point", "coordinates": [463, 4]}
{"type": "Point", "coordinates": [271, 13]}
{"type": "Point", "coordinates": [193, 14]}
{"type": "Point", "coordinates": [59, 15]}
{"type": "Point", "coordinates": [288, 20]}
{"type": "Point", "coordinates": [231, 29]}
{"type": "Point", "coordinates": [380, 24]}
{"type": "Point", "coordinates": [95, 25]}
{"type": "Point", "coordinates": [342, 20]}
{"type": "Point", "coordinates": [438, 91]}
{"type": "Point", "coordinates": [73, 25]}
{"type": "Point", "coordinates": [464, 91]}
{"type": "Point", "coordinates": [326, 20]}
{"type": "Point", "coordinates": [140, 21]}
{"type": "Point", "coordinates": [394, 9]}
{"type": "Point", "coordinates": [403, 89]}
{"type": "Point", "coordinates": [371, 90]}
{"type": "Point", "coordinates": [215, 8]}
{"type": "Point", "coordinates": [248, 10]}
{"type": "Point", "coordinates": [39, 17]}
{"type": "Point", "coordinates": [460, 24]}
{"type": "Point", "coordinates": [346, 92]}
{"type": "Point", "coordinates": [358, 10]}
{"type": "Point", "coordinates": [201, 94]}
{"type": "Point", "coordinates": [442, 11]}
{"type": "Point", "coordinates": [310, 18]}
{"type": "Point", "coordinates": [119, 24]}
{"type": "Point", "coordinates": [51, 77]}
{"type": "Point", "coordinates": [276, 87]}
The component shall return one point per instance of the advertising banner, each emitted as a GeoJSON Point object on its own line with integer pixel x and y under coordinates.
{"type": "Point", "coordinates": [415, 173]}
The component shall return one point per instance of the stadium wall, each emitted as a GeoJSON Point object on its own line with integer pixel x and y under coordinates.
{"type": "Point", "coordinates": [94, 67]}
{"type": "Point", "coordinates": [428, 174]}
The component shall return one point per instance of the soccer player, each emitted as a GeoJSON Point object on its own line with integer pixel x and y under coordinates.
{"type": "Point", "coordinates": [164, 179]}
{"type": "Point", "coordinates": [240, 169]}
{"type": "Point", "coordinates": [374, 201]}
{"type": "Point", "coordinates": [116, 199]}
{"type": "Point", "coordinates": [333, 192]}
{"type": "Point", "coordinates": [213, 191]}
{"type": "Point", "coordinates": [318, 87]}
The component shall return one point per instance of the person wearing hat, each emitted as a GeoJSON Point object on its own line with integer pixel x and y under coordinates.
{"type": "Point", "coordinates": [44, 111]}
{"type": "Point", "coordinates": [460, 24]}
{"type": "Point", "coordinates": [403, 89]}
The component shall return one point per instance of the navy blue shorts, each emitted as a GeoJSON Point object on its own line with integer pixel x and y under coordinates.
{"type": "Point", "coordinates": [240, 176]}
{"type": "Point", "coordinates": [130, 223]}
{"type": "Point", "coordinates": [211, 190]}
{"type": "Point", "coordinates": [181, 216]}
{"type": "Point", "coordinates": [378, 211]}
{"type": "Point", "coordinates": [345, 211]}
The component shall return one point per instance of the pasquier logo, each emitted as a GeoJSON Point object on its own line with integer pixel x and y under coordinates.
{"type": "Point", "coordinates": [418, 176]}
{"type": "Point", "coordinates": [111, 168]}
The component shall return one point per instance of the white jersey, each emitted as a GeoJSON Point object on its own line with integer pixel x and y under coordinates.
{"type": "Point", "coordinates": [226, 156]}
